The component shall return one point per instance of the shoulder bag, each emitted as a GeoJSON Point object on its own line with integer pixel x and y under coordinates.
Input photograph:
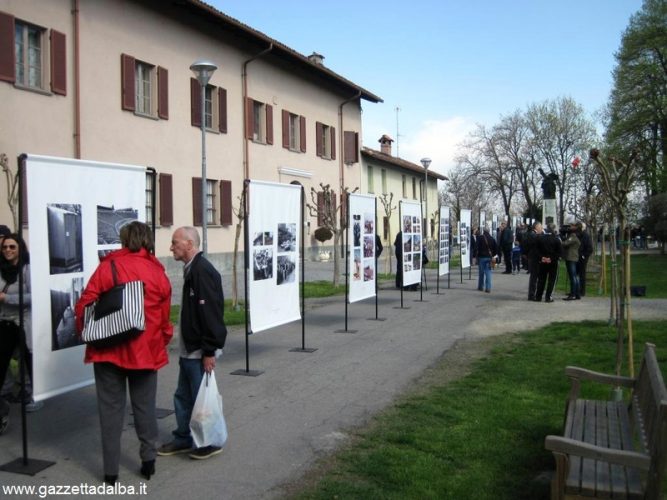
{"type": "Point", "coordinates": [117, 316]}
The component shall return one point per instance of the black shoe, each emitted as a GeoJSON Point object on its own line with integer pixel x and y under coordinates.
{"type": "Point", "coordinates": [569, 297]}
{"type": "Point", "coordinates": [172, 448]}
{"type": "Point", "coordinates": [577, 297]}
{"type": "Point", "coordinates": [110, 479]}
{"type": "Point", "coordinates": [531, 299]}
{"type": "Point", "coordinates": [148, 469]}
{"type": "Point", "coordinates": [205, 452]}
{"type": "Point", "coordinates": [538, 299]}
{"type": "Point", "coordinates": [548, 299]}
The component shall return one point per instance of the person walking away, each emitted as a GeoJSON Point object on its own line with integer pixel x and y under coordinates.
{"type": "Point", "coordinates": [487, 249]}
{"type": "Point", "coordinates": [529, 247]}
{"type": "Point", "coordinates": [203, 332]}
{"type": "Point", "coordinates": [132, 364]}
{"type": "Point", "coordinates": [550, 249]}
{"type": "Point", "coordinates": [516, 258]}
{"type": "Point", "coordinates": [506, 242]}
{"type": "Point", "coordinates": [571, 253]}
{"type": "Point", "coordinates": [585, 251]}
{"type": "Point", "coordinates": [398, 253]}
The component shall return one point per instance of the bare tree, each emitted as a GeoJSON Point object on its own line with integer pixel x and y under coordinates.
{"type": "Point", "coordinates": [388, 208]}
{"type": "Point", "coordinates": [240, 212]}
{"type": "Point", "coordinates": [12, 189]}
{"type": "Point", "coordinates": [464, 190]}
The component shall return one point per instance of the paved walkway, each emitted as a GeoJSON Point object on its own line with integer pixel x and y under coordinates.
{"type": "Point", "coordinates": [301, 407]}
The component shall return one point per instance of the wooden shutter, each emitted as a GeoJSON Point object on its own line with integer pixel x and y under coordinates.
{"type": "Point", "coordinates": [320, 208]}
{"type": "Point", "coordinates": [319, 147]}
{"type": "Point", "coordinates": [222, 110]}
{"type": "Point", "coordinates": [127, 82]}
{"type": "Point", "coordinates": [195, 103]}
{"type": "Point", "coordinates": [269, 124]}
{"type": "Point", "coordinates": [351, 147]}
{"type": "Point", "coordinates": [58, 63]}
{"type": "Point", "coordinates": [226, 211]}
{"type": "Point", "coordinates": [285, 128]}
{"type": "Point", "coordinates": [196, 201]}
{"type": "Point", "coordinates": [249, 118]}
{"type": "Point", "coordinates": [7, 50]}
{"type": "Point", "coordinates": [166, 200]}
{"type": "Point", "coordinates": [302, 132]}
{"type": "Point", "coordinates": [162, 93]}
{"type": "Point", "coordinates": [333, 143]}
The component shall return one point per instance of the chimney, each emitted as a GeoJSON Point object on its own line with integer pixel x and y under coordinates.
{"type": "Point", "coordinates": [385, 144]}
{"type": "Point", "coordinates": [316, 58]}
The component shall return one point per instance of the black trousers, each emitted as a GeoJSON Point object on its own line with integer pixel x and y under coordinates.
{"type": "Point", "coordinates": [546, 278]}
{"type": "Point", "coordinates": [10, 336]}
{"type": "Point", "coordinates": [507, 255]}
{"type": "Point", "coordinates": [534, 270]}
{"type": "Point", "coordinates": [581, 272]}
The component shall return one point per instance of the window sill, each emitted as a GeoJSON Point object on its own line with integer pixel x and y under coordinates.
{"type": "Point", "coordinates": [36, 90]}
{"type": "Point", "coordinates": [257, 141]}
{"type": "Point", "coordinates": [145, 115]}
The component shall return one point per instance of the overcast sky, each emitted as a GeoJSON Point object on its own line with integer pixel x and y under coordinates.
{"type": "Point", "coordinates": [449, 64]}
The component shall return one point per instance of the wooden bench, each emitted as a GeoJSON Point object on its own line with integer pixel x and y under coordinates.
{"type": "Point", "coordinates": [613, 449]}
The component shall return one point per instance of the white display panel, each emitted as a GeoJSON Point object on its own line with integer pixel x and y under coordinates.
{"type": "Point", "coordinates": [464, 237]}
{"type": "Point", "coordinates": [274, 228]}
{"type": "Point", "coordinates": [361, 245]}
{"type": "Point", "coordinates": [482, 221]}
{"type": "Point", "coordinates": [494, 228]}
{"type": "Point", "coordinates": [75, 211]}
{"type": "Point", "coordinates": [411, 227]}
{"type": "Point", "coordinates": [443, 242]}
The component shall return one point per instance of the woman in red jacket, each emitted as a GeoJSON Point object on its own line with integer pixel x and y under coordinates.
{"type": "Point", "coordinates": [135, 362]}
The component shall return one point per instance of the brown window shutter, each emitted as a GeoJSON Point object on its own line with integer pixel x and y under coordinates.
{"type": "Point", "coordinates": [320, 208]}
{"type": "Point", "coordinates": [222, 110]}
{"type": "Point", "coordinates": [195, 103]}
{"type": "Point", "coordinates": [162, 93]}
{"type": "Point", "coordinates": [58, 63]}
{"type": "Point", "coordinates": [333, 143]}
{"type": "Point", "coordinates": [249, 118]}
{"type": "Point", "coordinates": [196, 201]}
{"type": "Point", "coordinates": [7, 50]}
{"type": "Point", "coordinates": [318, 139]}
{"type": "Point", "coordinates": [127, 82]}
{"type": "Point", "coordinates": [285, 128]}
{"type": "Point", "coordinates": [269, 124]}
{"type": "Point", "coordinates": [166, 200]}
{"type": "Point", "coordinates": [302, 132]}
{"type": "Point", "coordinates": [351, 147]}
{"type": "Point", "coordinates": [226, 211]}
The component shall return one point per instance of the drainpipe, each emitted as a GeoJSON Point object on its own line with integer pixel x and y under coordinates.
{"type": "Point", "coordinates": [77, 82]}
{"type": "Point", "coordinates": [244, 78]}
{"type": "Point", "coordinates": [341, 173]}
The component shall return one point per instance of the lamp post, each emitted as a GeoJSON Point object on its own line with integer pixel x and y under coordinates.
{"type": "Point", "coordinates": [203, 70]}
{"type": "Point", "coordinates": [426, 162]}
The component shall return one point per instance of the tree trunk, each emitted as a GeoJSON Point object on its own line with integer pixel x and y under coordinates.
{"type": "Point", "coordinates": [235, 287]}
{"type": "Point", "coordinates": [336, 267]}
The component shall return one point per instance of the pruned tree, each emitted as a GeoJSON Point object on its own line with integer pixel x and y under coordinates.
{"type": "Point", "coordinates": [464, 190]}
{"type": "Point", "coordinates": [12, 180]}
{"type": "Point", "coordinates": [330, 215]}
{"type": "Point", "coordinates": [241, 214]}
{"type": "Point", "coordinates": [618, 179]}
{"type": "Point", "coordinates": [387, 200]}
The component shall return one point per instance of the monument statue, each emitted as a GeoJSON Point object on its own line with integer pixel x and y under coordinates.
{"type": "Point", "coordinates": [548, 184]}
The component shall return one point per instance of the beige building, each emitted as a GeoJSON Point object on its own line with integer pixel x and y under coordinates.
{"type": "Point", "coordinates": [109, 80]}
{"type": "Point", "coordinates": [385, 174]}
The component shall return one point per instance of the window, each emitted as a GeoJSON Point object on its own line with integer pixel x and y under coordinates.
{"type": "Point", "coordinates": [294, 131]}
{"type": "Point", "coordinates": [259, 122]}
{"type": "Point", "coordinates": [28, 60]}
{"type": "Point", "coordinates": [325, 141]}
{"type": "Point", "coordinates": [215, 107]}
{"type": "Point", "coordinates": [371, 187]}
{"type": "Point", "coordinates": [150, 189]}
{"type": "Point", "coordinates": [405, 186]}
{"type": "Point", "coordinates": [144, 88]}
{"type": "Point", "coordinates": [414, 188]}
{"type": "Point", "coordinates": [213, 187]}
{"type": "Point", "coordinates": [351, 147]}
{"type": "Point", "coordinates": [383, 174]}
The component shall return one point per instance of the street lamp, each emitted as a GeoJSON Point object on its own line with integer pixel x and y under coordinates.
{"type": "Point", "coordinates": [426, 162]}
{"type": "Point", "coordinates": [203, 70]}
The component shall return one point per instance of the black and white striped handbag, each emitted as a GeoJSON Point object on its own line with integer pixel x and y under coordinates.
{"type": "Point", "coordinates": [117, 316]}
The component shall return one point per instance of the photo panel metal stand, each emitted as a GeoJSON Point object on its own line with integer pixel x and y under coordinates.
{"type": "Point", "coordinates": [402, 264]}
{"type": "Point", "coordinates": [347, 265]}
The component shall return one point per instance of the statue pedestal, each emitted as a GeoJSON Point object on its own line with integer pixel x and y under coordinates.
{"type": "Point", "coordinates": [549, 211]}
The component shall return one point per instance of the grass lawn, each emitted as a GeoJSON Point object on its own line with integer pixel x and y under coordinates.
{"type": "Point", "coordinates": [480, 436]}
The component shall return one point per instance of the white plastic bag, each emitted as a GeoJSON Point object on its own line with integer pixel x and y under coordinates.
{"type": "Point", "coordinates": [207, 422]}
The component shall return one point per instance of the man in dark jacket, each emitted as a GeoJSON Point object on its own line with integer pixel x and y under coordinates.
{"type": "Point", "coordinates": [585, 251]}
{"type": "Point", "coordinates": [203, 332]}
{"type": "Point", "coordinates": [549, 249]}
{"type": "Point", "coordinates": [506, 242]}
{"type": "Point", "coordinates": [529, 247]}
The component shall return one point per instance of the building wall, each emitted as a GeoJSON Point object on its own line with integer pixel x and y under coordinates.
{"type": "Point", "coordinates": [43, 123]}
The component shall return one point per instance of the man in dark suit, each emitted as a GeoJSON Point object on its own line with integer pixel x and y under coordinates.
{"type": "Point", "coordinates": [549, 250]}
{"type": "Point", "coordinates": [585, 251]}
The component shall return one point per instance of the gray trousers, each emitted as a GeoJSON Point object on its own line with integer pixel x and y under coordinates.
{"type": "Point", "coordinates": [111, 383]}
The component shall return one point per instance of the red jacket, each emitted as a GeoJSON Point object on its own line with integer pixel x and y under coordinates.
{"type": "Point", "coordinates": [148, 350]}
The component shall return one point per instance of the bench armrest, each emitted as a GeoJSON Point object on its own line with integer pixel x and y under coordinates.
{"type": "Point", "coordinates": [577, 374]}
{"type": "Point", "coordinates": [567, 446]}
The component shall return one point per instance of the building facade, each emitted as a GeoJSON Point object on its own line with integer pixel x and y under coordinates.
{"type": "Point", "coordinates": [109, 80]}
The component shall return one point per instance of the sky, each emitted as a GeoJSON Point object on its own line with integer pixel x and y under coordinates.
{"type": "Point", "coordinates": [449, 65]}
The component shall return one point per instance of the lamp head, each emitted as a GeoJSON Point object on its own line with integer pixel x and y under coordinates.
{"type": "Point", "coordinates": [203, 70]}
{"type": "Point", "coordinates": [426, 162]}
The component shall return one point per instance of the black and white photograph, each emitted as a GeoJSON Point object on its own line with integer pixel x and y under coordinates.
{"type": "Point", "coordinates": [268, 238]}
{"type": "Point", "coordinates": [369, 246]}
{"type": "Point", "coordinates": [356, 273]}
{"type": "Point", "coordinates": [416, 242]}
{"type": "Point", "coordinates": [64, 233]}
{"type": "Point", "coordinates": [285, 268]}
{"type": "Point", "coordinates": [407, 243]}
{"type": "Point", "coordinates": [369, 223]}
{"type": "Point", "coordinates": [63, 300]}
{"type": "Point", "coordinates": [416, 261]}
{"type": "Point", "coordinates": [356, 230]}
{"type": "Point", "coordinates": [262, 264]}
{"type": "Point", "coordinates": [369, 271]}
{"type": "Point", "coordinates": [109, 222]}
{"type": "Point", "coordinates": [407, 267]}
{"type": "Point", "coordinates": [407, 224]}
{"type": "Point", "coordinates": [258, 239]}
{"type": "Point", "coordinates": [286, 238]}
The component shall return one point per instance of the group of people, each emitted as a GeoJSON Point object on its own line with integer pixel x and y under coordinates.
{"type": "Point", "coordinates": [539, 252]}
{"type": "Point", "coordinates": [134, 363]}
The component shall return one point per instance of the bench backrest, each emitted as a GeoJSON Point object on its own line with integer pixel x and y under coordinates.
{"type": "Point", "coordinates": [649, 410]}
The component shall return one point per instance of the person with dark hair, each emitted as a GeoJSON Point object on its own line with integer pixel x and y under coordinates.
{"type": "Point", "coordinates": [530, 249]}
{"type": "Point", "coordinates": [135, 362]}
{"type": "Point", "coordinates": [505, 241]}
{"type": "Point", "coordinates": [487, 249]}
{"type": "Point", "coordinates": [571, 254]}
{"type": "Point", "coordinates": [398, 253]}
{"type": "Point", "coordinates": [203, 333]}
{"type": "Point", "coordinates": [549, 249]}
{"type": "Point", "coordinates": [585, 252]}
